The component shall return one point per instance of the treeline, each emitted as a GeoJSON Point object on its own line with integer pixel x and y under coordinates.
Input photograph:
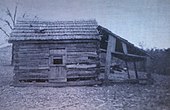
{"type": "Point", "coordinates": [160, 61]}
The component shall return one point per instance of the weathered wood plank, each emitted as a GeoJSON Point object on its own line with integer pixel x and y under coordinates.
{"type": "Point", "coordinates": [81, 66]}
{"type": "Point", "coordinates": [80, 61]}
{"type": "Point", "coordinates": [82, 57]}
{"type": "Point", "coordinates": [31, 56]}
{"type": "Point", "coordinates": [43, 71]}
{"type": "Point", "coordinates": [31, 64]}
{"type": "Point", "coordinates": [32, 77]}
{"type": "Point", "coordinates": [77, 49]}
{"type": "Point", "coordinates": [69, 49]}
{"type": "Point", "coordinates": [34, 74]}
{"type": "Point", "coordinates": [31, 59]}
{"type": "Point", "coordinates": [83, 53]}
{"type": "Point", "coordinates": [81, 72]}
{"type": "Point", "coordinates": [82, 69]}
{"type": "Point", "coordinates": [82, 76]}
{"type": "Point", "coordinates": [33, 67]}
{"type": "Point", "coordinates": [32, 52]}
{"type": "Point", "coordinates": [32, 49]}
{"type": "Point", "coordinates": [59, 43]}
{"type": "Point", "coordinates": [124, 48]}
{"type": "Point", "coordinates": [110, 48]}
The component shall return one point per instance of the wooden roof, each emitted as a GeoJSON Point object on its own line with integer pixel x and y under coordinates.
{"type": "Point", "coordinates": [133, 51]}
{"type": "Point", "coordinates": [57, 30]}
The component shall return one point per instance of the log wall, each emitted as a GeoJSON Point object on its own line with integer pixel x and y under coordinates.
{"type": "Point", "coordinates": [31, 59]}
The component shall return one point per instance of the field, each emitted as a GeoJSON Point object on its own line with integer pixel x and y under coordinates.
{"type": "Point", "coordinates": [154, 96]}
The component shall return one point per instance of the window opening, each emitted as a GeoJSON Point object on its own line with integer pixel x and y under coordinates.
{"type": "Point", "coordinates": [57, 61]}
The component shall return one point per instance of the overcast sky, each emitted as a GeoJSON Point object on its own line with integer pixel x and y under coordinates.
{"type": "Point", "coordinates": [146, 21]}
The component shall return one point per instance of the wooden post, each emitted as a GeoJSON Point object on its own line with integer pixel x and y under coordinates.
{"type": "Point", "coordinates": [126, 52]}
{"type": "Point", "coordinates": [110, 48]}
{"type": "Point", "coordinates": [135, 70]}
{"type": "Point", "coordinates": [127, 70]}
{"type": "Point", "coordinates": [124, 48]}
{"type": "Point", "coordinates": [12, 58]}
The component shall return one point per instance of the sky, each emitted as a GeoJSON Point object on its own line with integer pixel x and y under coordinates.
{"type": "Point", "coordinates": [145, 22]}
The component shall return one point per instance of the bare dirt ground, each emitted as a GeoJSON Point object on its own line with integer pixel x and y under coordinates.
{"type": "Point", "coordinates": [113, 97]}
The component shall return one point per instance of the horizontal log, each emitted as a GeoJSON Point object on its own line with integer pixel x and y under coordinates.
{"type": "Point", "coordinates": [33, 49]}
{"type": "Point", "coordinates": [81, 66]}
{"type": "Point", "coordinates": [83, 69]}
{"type": "Point", "coordinates": [57, 51]}
{"type": "Point", "coordinates": [83, 53]}
{"type": "Point", "coordinates": [85, 49]}
{"type": "Point", "coordinates": [30, 59]}
{"type": "Point", "coordinates": [79, 57]}
{"type": "Point", "coordinates": [33, 74]}
{"type": "Point", "coordinates": [59, 44]}
{"type": "Point", "coordinates": [42, 71]}
{"type": "Point", "coordinates": [31, 52]}
{"type": "Point", "coordinates": [82, 76]}
{"type": "Point", "coordinates": [53, 47]}
{"type": "Point", "coordinates": [32, 77]}
{"type": "Point", "coordinates": [31, 56]}
{"type": "Point", "coordinates": [81, 62]}
{"type": "Point", "coordinates": [81, 73]}
{"type": "Point", "coordinates": [35, 67]}
{"type": "Point", "coordinates": [30, 64]}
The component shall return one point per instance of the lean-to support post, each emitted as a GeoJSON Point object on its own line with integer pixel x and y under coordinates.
{"type": "Point", "coordinates": [127, 69]}
{"type": "Point", "coordinates": [136, 73]}
{"type": "Point", "coordinates": [126, 52]}
{"type": "Point", "coordinates": [12, 58]}
{"type": "Point", "coordinates": [110, 48]}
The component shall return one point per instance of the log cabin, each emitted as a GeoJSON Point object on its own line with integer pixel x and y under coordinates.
{"type": "Point", "coordinates": [61, 53]}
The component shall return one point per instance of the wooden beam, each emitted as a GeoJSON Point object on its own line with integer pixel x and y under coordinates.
{"type": "Point", "coordinates": [110, 48]}
{"type": "Point", "coordinates": [12, 59]}
{"type": "Point", "coordinates": [129, 55]}
{"type": "Point", "coordinates": [124, 48]}
{"type": "Point", "coordinates": [126, 52]}
{"type": "Point", "coordinates": [136, 73]}
{"type": "Point", "coordinates": [127, 69]}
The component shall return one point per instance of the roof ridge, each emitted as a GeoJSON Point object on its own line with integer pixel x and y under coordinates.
{"type": "Point", "coordinates": [57, 21]}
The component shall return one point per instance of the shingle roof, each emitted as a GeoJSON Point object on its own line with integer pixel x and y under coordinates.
{"type": "Point", "coordinates": [43, 30]}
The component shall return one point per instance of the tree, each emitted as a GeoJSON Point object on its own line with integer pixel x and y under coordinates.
{"type": "Point", "coordinates": [10, 23]}
{"type": "Point", "coordinates": [141, 45]}
{"type": "Point", "coordinates": [160, 62]}
{"type": "Point", "coordinates": [12, 20]}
